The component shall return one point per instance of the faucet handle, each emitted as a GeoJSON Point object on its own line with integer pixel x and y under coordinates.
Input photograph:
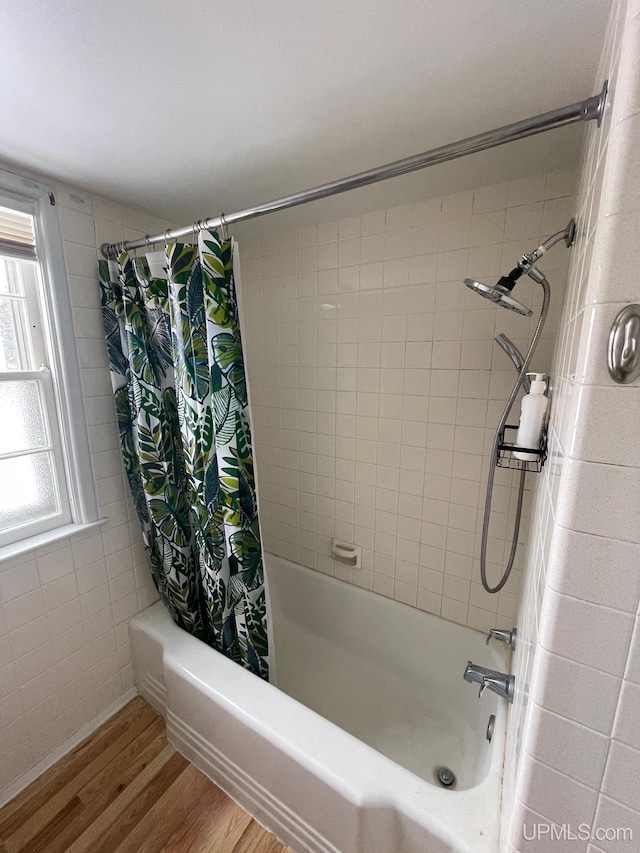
{"type": "Point", "coordinates": [504, 634]}
{"type": "Point", "coordinates": [483, 686]}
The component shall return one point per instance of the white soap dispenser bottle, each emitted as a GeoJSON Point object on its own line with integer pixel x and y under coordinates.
{"type": "Point", "coordinates": [532, 415]}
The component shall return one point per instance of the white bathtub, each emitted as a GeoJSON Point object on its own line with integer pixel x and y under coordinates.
{"type": "Point", "coordinates": [381, 702]}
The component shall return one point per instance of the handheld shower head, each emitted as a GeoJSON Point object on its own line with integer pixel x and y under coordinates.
{"type": "Point", "coordinates": [516, 357]}
{"type": "Point", "coordinates": [498, 294]}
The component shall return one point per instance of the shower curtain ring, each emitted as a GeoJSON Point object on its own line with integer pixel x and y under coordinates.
{"type": "Point", "coordinates": [223, 229]}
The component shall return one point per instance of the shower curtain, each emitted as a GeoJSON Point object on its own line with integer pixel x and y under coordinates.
{"type": "Point", "coordinates": [177, 370]}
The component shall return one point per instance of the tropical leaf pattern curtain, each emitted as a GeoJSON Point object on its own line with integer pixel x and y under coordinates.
{"type": "Point", "coordinates": [177, 369]}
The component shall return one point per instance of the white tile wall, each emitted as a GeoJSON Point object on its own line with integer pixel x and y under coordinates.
{"type": "Point", "coordinates": [376, 385]}
{"type": "Point", "coordinates": [574, 751]}
{"type": "Point", "coordinates": [64, 654]}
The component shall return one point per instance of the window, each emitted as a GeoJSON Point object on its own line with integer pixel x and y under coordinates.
{"type": "Point", "coordinates": [45, 480]}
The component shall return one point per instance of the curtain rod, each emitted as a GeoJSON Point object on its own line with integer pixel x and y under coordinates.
{"type": "Point", "coordinates": [588, 110]}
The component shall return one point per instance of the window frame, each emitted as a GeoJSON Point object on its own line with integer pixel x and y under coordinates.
{"type": "Point", "coordinates": [61, 383]}
{"type": "Point", "coordinates": [27, 529]}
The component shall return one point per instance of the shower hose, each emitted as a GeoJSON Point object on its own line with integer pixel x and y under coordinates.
{"type": "Point", "coordinates": [494, 458]}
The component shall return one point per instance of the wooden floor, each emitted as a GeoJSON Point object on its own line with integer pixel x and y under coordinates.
{"type": "Point", "coordinates": [125, 789]}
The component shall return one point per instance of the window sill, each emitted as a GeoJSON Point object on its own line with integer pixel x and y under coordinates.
{"type": "Point", "coordinates": [7, 552]}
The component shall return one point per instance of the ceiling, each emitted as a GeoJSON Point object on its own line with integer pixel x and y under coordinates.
{"type": "Point", "coordinates": [190, 108]}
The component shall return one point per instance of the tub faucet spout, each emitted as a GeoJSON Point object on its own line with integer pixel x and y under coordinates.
{"type": "Point", "coordinates": [499, 682]}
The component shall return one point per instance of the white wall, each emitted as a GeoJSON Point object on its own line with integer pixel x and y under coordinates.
{"type": "Point", "coordinates": [64, 652]}
{"type": "Point", "coordinates": [376, 388]}
{"type": "Point", "coordinates": [574, 752]}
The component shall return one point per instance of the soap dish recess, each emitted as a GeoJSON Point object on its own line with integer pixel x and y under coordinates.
{"type": "Point", "coordinates": [347, 553]}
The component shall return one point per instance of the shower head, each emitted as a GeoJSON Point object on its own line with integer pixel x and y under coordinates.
{"type": "Point", "coordinates": [499, 294]}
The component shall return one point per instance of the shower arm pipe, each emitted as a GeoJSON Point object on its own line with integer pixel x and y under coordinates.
{"type": "Point", "coordinates": [527, 262]}
{"type": "Point", "coordinates": [591, 109]}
